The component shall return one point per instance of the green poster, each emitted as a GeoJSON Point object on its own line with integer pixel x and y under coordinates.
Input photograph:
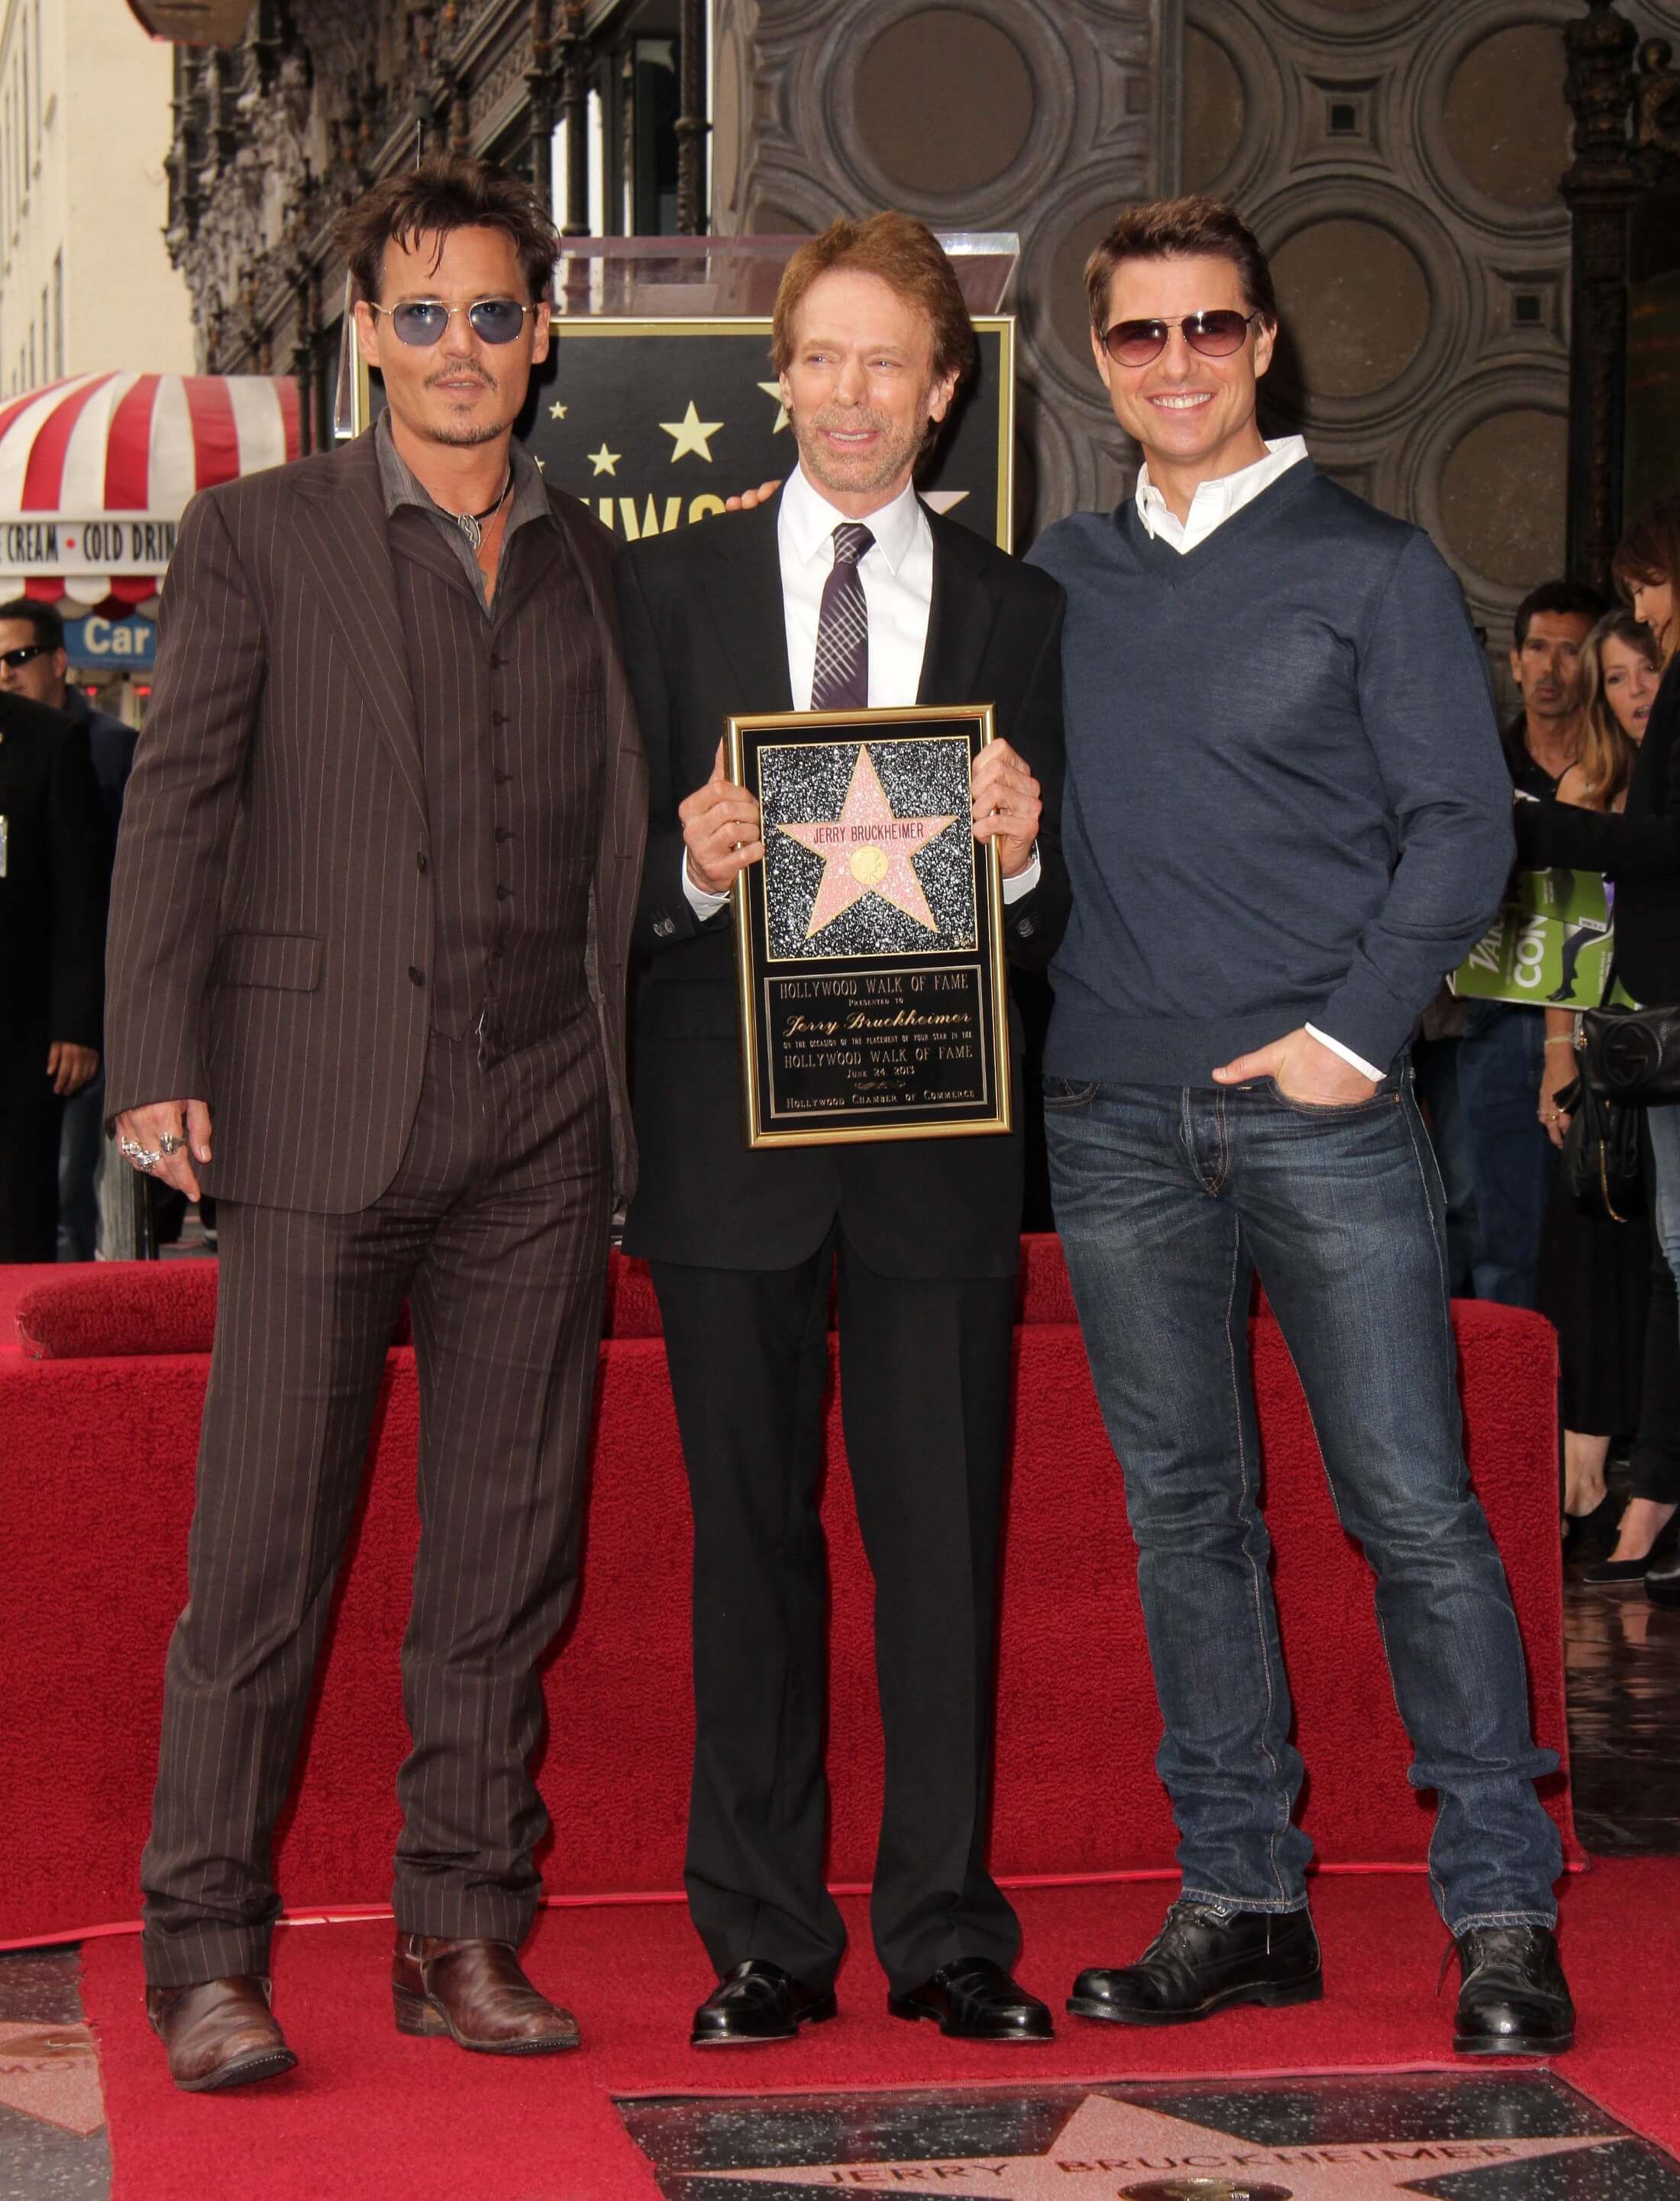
{"type": "Point", "coordinates": [1571, 897]}
{"type": "Point", "coordinates": [1549, 947]}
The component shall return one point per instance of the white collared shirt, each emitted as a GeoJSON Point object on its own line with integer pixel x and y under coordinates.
{"type": "Point", "coordinates": [1213, 503]}
{"type": "Point", "coordinates": [897, 575]}
{"type": "Point", "coordinates": [896, 571]}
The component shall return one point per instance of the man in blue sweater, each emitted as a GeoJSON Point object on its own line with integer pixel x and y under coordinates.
{"type": "Point", "coordinates": [1286, 816]}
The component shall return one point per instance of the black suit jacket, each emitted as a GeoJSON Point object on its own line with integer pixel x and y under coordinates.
{"type": "Point", "coordinates": [704, 636]}
{"type": "Point", "coordinates": [1639, 849]}
{"type": "Point", "coordinates": [52, 899]}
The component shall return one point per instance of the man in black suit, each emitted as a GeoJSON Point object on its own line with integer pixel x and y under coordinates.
{"type": "Point", "coordinates": [845, 592]}
{"type": "Point", "coordinates": [34, 662]}
{"type": "Point", "coordinates": [54, 874]}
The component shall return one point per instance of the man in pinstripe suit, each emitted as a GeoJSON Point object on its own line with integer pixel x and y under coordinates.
{"type": "Point", "coordinates": [374, 899]}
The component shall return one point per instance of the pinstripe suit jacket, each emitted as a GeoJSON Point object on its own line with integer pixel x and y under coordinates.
{"type": "Point", "coordinates": [272, 918]}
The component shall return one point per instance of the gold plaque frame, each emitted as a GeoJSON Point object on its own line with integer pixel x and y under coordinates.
{"type": "Point", "coordinates": [756, 968]}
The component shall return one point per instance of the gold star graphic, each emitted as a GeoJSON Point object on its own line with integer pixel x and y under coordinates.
{"type": "Point", "coordinates": [691, 434]}
{"type": "Point", "coordinates": [605, 462]}
{"type": "Point", "coordinates": [774, 389]}
{"type": "Point", "coordinates": [556, 411]}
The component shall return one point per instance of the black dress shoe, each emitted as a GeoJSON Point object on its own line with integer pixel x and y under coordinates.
{"type": "Point", "coordinates": [1204, 1959]}
{"type": "Point", "coordinates": [1612, 1573]}
{"type": "Point", "coordinates": [975, 2000]}
{"type": "Point", "coordinates": [1590, 1537]}
{"type": "Point", "coordinates": [758, 2001]}
{"type": "Point", "coordinates": [1514, 1999]}
{"type": "Point", "coordinates": [1608, 1574]}
{"type": "Point", "coordinates": [1662, 1581]}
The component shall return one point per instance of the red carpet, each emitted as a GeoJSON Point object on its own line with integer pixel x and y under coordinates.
{"type": "Point", "coordinates": [15, 1280]}
{"type": "Point", "coordinates": [368, 2115]}
{"type": "Point", "coordinates": [96, 1472]}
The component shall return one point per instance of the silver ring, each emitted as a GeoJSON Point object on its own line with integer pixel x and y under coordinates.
{"type": "Point", "coordinates": [142, 1157]}
{"type": "Point", "coordinates": [170, 1143]}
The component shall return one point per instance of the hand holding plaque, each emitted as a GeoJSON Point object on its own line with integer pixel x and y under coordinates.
{"type": "Point", "coordinates": [869, 939]}
{"type": "Point", "coordinates": [720, 830]}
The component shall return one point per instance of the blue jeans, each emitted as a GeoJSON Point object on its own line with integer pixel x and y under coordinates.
{"type": "Point", "coordinates": [1501, 1057]}
{"type": "Point", "coordinates": [1167, 1199]}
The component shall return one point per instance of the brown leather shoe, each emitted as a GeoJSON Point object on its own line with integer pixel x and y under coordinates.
{"type": "Point", "coordinates": [475, 1992]}
{"type": "Point", "coordinates": [219, 2033]}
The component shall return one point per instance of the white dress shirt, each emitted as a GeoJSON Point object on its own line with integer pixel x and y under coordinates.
{"type": "Point", "coordinates": [896, 571]}
{"type": "Point", "coordinates": [1213, 503]}
{"type": "Point", "coordinates": [897, 575]}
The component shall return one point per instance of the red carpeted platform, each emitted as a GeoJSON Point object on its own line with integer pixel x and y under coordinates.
{"type": "Point", "coordinates": [96, 1477]}
{"type": "Point", "coordinates": [15, 1280]}
{"type": "Point", "coordinates": [368, 2115]}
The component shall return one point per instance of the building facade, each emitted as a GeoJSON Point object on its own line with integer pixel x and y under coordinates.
{"type": "Point", "coordinates": [274, 134]}
{"type": "Point", "coordinates": [86, 283]}
{"type": "Point", "coordinates": [1401, 159]}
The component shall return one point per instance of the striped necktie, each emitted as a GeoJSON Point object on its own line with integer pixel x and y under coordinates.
{"type": "Point", "coordinates": [841, 680]}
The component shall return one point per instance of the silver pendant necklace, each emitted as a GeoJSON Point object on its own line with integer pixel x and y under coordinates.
{"type": "Point", "coordinates": [471, 524]}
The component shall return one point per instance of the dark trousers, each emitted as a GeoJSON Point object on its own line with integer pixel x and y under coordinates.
{"type": "Point", "coordinates": [1655, 1464]}
{"type": "Point", "coordinates": [80, 1144]}
{"type": "Point", "coordinates": [1437, 1063]}
{"type": "Point", "coordinates": [494, 1230]}
{"type": "Point", "coordinates": [1501, 1057]}
{"type": "Point", "coordinates": [924, 1390]}
{"type": "Point", "coordinates": [1656, 1455]}
{"type": "Point", "coordinates": [30, 1115]}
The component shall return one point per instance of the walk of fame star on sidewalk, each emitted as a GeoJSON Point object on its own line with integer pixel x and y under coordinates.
{"type": "Point", "coordinates": [1110, 2147]}
{"type": "Point", "coordinates": [51, 2072]}
{"type": "Point", "coordinates": [867, 850]}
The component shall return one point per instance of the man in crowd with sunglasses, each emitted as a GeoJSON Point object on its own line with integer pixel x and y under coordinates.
{"type": "Point", "coordinates": [374, 892]}
{"type": "Point", "coordinates": [1278, 843]}
{"type": "Point", "coordinates": [34, 662]}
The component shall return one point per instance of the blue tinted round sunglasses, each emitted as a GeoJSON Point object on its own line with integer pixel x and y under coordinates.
{"type": "Point", "coordinates": [423, 320]}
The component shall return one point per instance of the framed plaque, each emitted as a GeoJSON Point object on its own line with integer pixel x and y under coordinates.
{"type": "Point", "coordinates": [869, 942]}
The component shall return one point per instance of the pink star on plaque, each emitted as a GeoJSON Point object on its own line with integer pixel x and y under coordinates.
{"type": "Point", "coordinates": [1108, 2148]}
{"type": "Point", "coordinates": [867, 850]}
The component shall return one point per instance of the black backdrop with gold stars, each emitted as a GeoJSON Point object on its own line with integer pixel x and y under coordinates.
{"type": "Point", "coordinates": [654, 423]}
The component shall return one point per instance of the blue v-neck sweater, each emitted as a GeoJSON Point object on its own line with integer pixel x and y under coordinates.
{"type": "Point", "coordinates": [1285, 800]}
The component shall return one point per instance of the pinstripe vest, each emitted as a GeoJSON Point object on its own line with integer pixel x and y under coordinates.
{"type": "Point", "coordinates": [511, 713]}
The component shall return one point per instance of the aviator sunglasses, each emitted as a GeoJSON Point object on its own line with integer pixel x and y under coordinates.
{"type": "Point", "coordinates": [1215, 336]}
{"type": "Point", "coordinates": [423, 320]}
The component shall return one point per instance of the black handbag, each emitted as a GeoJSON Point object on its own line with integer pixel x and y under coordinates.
{"type": "Point", "coordinates": [1630, 1059]}
{"type": "Point", "coordinates": [1632, 1056]}
{"type": "Point", "coordinates": [1602, 1170]}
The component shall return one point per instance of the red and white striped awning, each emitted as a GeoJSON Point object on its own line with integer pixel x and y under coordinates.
{"type": "Point", "coordinates": [95, 472]}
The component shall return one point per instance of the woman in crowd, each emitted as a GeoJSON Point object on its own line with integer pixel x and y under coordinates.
{"type": "Point", "coordinates": [1639, 850]}
{"type": "Point", "coordinates": [1594, 1280]}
